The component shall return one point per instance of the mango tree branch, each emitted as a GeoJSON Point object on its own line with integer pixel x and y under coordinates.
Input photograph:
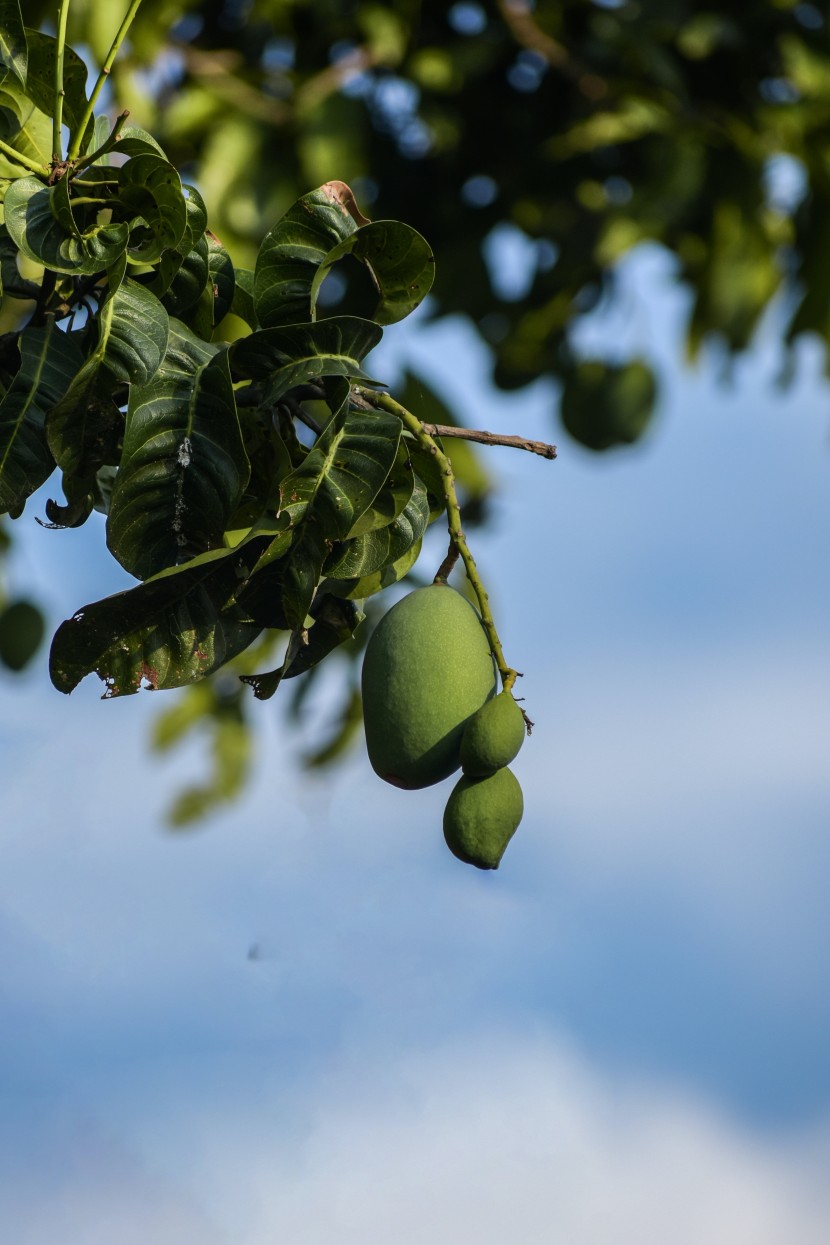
{"type": "Point", "coordinates": [383, 401]}
{"type": "Point", "coordinates": [121, 34]}
{"type": "Point", "coordinates": [490, 438]}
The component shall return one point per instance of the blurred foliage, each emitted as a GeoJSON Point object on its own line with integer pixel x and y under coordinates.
{"type": "Point", "coordinates": [583, 128]}
{"type": "Point", "coordinates": [562, 132]}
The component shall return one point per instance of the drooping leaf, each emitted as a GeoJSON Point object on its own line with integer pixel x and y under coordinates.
{"type": "Point", "coordinates": [292, 253]}
{"type": "Point", "coordinates": [383, 546]}
{"type": "Point", "coordinates": [48, 362]}
{"type": "Point", "coordinates": [190, 279]}
{"type": "Point", "coordinates": [11, 282]}
{"type": "Point", "coordinates": [13, 49]}
{"type": "Point", "coordinates": [333, 622]}
{"type": "Point", "coordinates": [283, 583]}
{"type": "Point", "coordinates": [174, 630]}
{"type": "Point", "coordinates": [40, 81]}
{"type": "Point", "coordinates": [286, 357]}
{"type": "Point", "coordinates": [133, 330]}
{"type": "Point", "coordinates": [37, 218]}
{"type": "Point", "coordinates": [184, 465]}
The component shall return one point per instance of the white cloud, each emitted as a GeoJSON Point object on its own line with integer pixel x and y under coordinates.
{"type": "Point", "coordinates": [485, 1140]}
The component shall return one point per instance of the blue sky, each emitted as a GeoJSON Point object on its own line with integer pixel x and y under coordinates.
{"type": "Point", "coordinates": [621, 1035]}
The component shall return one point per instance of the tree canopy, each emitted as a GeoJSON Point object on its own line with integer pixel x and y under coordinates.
{"type": "Point", "coordinates": [572, 131]}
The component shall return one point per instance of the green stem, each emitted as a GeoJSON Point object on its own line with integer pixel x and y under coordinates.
{"type": "Point", "coordinates": [77, 138]}
{"type": "Point", "coordinates": [24, 160]}
{"type": "Point", "coordinates": [108, 144]}
{"type": "Point", "coordinates": [384, 402]}
{"type": "Point", "coordinates": [57, 112]}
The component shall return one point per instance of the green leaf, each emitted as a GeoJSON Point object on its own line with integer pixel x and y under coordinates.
{"type": "Point", "coordinates": [399, 260]}
{"type": "Point", "coordinates": [133, 330]}
{"type": "Point", "coordinates": [190, 279]}
{"type": "Point", "coordinates": [48, 362]}
{"type": "Point", "coordinates": [13, 51]}
{"type": "Point", "coordinates": [380, 548]}
{"type": "Point", "coordinates": [183, 467]}
{"type": "Point", "coordinates": [40, 81]}
{"type": "Point", "coordinates": [318, 230]}
{"type": "Point", "coordinates": [222, 278]}
{"type": "Point", "coordinates": [11, 282]}
{"type": "Point", "coordinates": [282, 585]}
{"type": "Point", "coordinates": [172, 260]}
{"type": "Point", "coordinates": [173, 630]}
{"type": "Point", "coordinates": [25, 128]}
{"type": "Point", "coordinates": [392, 498]}
{"type": "Point", "coordinates": [292, 253]}
{"type": "Point", "coordinates": [151, 191]}
{"type": "Point", "coordinates": [344, 471]}
{"type": "Point", "coordinates": [32, 213]}
{"type": "Point", "coordinates": [243, 297]}
{"type": "Point", "coordinates": [133, 141]}
{"type": "Point", "coordinates": [334, 622]}
{"type": "Point", "coordinates": [368, 585]}
{"type": "Point", "coordinates": [291, 356]}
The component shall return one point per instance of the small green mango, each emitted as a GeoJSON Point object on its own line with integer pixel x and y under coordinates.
{"type": "Point", "coordinates": [481, 817]}
{"type": "Point", "coordinates": [492, 737]}
{"type": "Point", "coordinates": [427, 669]}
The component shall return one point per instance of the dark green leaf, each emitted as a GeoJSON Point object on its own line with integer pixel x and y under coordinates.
{"type": "Point", "coordinates": [222, 279]}
{"type": "Point", "coordinates": [183, 467]}
{"type": "Point", "coordinates": [334, 622]}
{"type": "Point", "coordinates": [392, 498]}
{"type": "Point", "coordinates": [133, 330]}
{"type": "Point", "coordinates": [21, 633]}
{"type": "Point", "coordinates": [48, 362]}
{"type": "Point", "coordinates": [32, 213]}
{"type": "Point", "coordinates": [344, 471]}
{"type": "Point", "coordinates": [399, 260]}
{"type": "Point", "coordinates": [368, 585]}
{"type": "Point", "coordinates": [174, 630]}
{"type": "Point", "coordinates": [294, 250]}
{"type": "Point", "coordinates": [286, 357]}
{"type": "Point", "coordinates": [151, 191]}
{"type": "Point", "coordinates": [243, 296]}
{"type": "Point", "coordinates": [384, 546]}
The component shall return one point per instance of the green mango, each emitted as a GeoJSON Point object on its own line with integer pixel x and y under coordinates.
{"type": "Point", "coordinates": [492, 737]}
{"type": "Point", "coordinates": [427, 669]}
{"type": "Point", "coordinates": [481, 817]}
{"type": "Point", "coordinates": [21, 634]}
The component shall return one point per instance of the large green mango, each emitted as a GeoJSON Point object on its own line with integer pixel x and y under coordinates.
{"type": "Point", "coordinates": [427, 669]}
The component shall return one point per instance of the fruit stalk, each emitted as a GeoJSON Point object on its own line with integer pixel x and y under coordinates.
{"type": "Point", "coordinates": [384, 402]}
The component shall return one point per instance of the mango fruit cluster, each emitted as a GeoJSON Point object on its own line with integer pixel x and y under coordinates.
{"type": "Point", "coordinates": [430, 708]}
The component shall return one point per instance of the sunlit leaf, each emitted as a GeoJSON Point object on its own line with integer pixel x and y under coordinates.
{"type": "Point", "coordinates": [13, 51]}
{"type": "Point", "coordinates": [40, 80]}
